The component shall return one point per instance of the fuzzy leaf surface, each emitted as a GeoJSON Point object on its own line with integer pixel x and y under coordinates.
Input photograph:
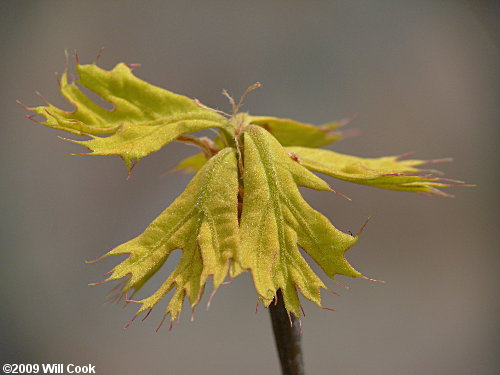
{"type": "Point", "coordinates": [144, 117]}
{"type": "Point", "coordinates": [294, 133]}
{"type": "Point", "coordinates": [276, 219]}
{"type": "Point", "coordinates": [389, 172]}
{"type": "Point", "coordinates": [203, 223]}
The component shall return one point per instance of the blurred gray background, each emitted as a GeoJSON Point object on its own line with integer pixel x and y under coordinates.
{"type": "Point", "coordinates": [420, 75]}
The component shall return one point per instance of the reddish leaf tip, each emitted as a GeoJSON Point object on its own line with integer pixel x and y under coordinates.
{"type": "Point", "coordinates": [374, 280]}
{"type": "Point", "coordinates": [405, 155]}
{"type": "Point", "coordinates": [129, 171]}
{"type": "Point", "coordinates": [132, 66]}
{"type": "Point", "coordinates": [77, 59]}
{"type": "Point", "coordinates": [212, 295]}
{"type": "Point", "coordinates": [99, 53]}
{"type": "Point", "coordinates": [192, 315]}
{"type": "Point", "coordinates": [327, 308]}
{"type": "Point", "coordinates": [339, 194]}
{"type": "Point", "coordinates": [349, 133]}
{"type": "Point", "coordinates": [441, 193]}
{"type": "Point", "coordinates": [342, 285]}
{"type": "Point", "coordinates": [161, 323]}
{"type": "Point", "coordinates": [364, 225]}
{"type": "Point", "coordinates": [302, 309]}
{"type": "Point", "coordinates": [147, 314]}
{"type": "Point", "coordinates": [46, 102]}
{"type": "Point", "coordinates": [100, 283]}
{"type": "Point", "coordinates": [97, 259]}
{"type": "Point", "coordinates": [435, 161]}
{"type": "Point", "coordinates": [31, 117]}
{"type": "Point", "coordinates": [332, 292]}
{"type": "Point", "coordinates": [130, 322]}
{"type": "Point", "coordinates": [348, 119]}
{"type": "Point", "coordinates": [132, 301]}
{"type": "Point", "coordinates": [23, 105]}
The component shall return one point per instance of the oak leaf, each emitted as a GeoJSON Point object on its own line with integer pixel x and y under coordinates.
{"type": "Point", "coordinates": [144, 117]}
{"type": "Point", "coordinates": [276, 219]}
{"type": "Point", "coordinates": [290, 132]}
{"type": "Point", "coordinates": [203, 223]}
{"type": "Point", "coordinates": [388, 172]}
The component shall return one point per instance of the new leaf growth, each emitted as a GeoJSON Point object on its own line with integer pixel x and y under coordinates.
{"type": "Point", "coordinates": [242, 211]}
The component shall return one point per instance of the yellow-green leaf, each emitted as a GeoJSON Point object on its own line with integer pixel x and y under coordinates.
{"type": "Point", "coordinates": [144, 117]}
{"type": "Point", "coordinates": [203, 223]}
{"type": "Point", "coordinates": [389, 172]}
{"type": "Point", "coordinates": [293, 133]}
{"type": "Point", "coordinates": [191, 164]}
{"type": "Point", "coordinates": [134, 141]}
{"type": "Point", "coordinates": [276, 219]}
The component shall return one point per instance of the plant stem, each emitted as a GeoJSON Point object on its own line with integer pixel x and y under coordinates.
{"type": "Point", "coordinates": [287, 337]}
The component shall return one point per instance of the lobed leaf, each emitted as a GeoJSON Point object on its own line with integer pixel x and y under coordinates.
{"type": "Point", "coordinates": [203, 223]}
{"type": "Point", "coordinates": [135, 141]}
{"type": "Point", "coordinates": [275, 219]}
{"type": "Point", "coordinates": [293, 133]}
{"type": "Point", "coordinates": [144, 117]}
{"type": "Point", "coordinates": [389, 172]}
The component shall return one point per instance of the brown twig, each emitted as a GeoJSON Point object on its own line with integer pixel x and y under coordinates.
{"type": "Point", "coordinates": [287, 334]}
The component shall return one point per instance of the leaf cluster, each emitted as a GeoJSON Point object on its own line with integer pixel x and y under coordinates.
{"type": "Point", "coordinates": [243, 210]}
